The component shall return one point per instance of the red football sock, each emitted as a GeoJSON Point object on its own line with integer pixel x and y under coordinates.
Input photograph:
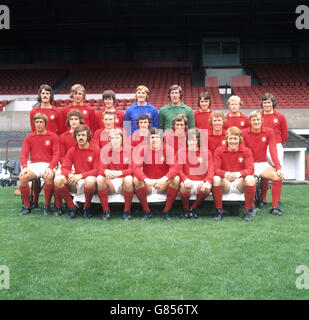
{"type": "Point", "coordinates": [249, 196]}
{"type": "Point", "coordinates": [264, 188]}
{"type": "Point", "coordinates": [88, 196]}
{"type": "Point", "coordinates": [276, 192]}
{"type": "Point", "coordinates": [57, 197]}
{"type": "Point", "coordinates": [25, 194]}
{"type": "Point", "coordinates": [65, 194]}
{"type": "Point", "coordinates": [171, 195]}
{"type": "Point", "coordinates": [141, 193]}
{"type": "Point", "coordinates": [217, 194]}
{"type": "Point", "coordinates": [199, 198]}
{"type": "Point", "coordinates": [185, 199]}
{"type": "Point", "coordinates": [128, 196]}
{"type": "Point", "coordinates": [36, 190]}
{"type": "Point", "coordinates": [103, 196]}
{"type": "Point", "coordinates": [48, 190]}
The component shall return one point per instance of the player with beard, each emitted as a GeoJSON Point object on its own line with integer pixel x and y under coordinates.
{"type": "Point", "coordinates": [85, 157]}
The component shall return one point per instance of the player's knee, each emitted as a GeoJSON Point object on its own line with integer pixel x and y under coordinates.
{"type": "Point", "coordinates": [128, 181]}
{"type": "Point", "coordinates": [137, 183]}
{"type": "Point", "coordinates": [59, 181]}
{"type": "Point", "coordinates": [249, 181]}
{"type": "Point", "coordinates": [90, 182]}
{"type": "Point", "coordinates": [175, 181]}
{"type": "Point", "coordinates": [217, 181]}
{"type": "Point", "coordinates": [183, 188]}
{"type": "Point", "coordinates": [275, 177]}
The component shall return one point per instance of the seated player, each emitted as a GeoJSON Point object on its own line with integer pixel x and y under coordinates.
{"type": "Point", "coordinates": [235, 118]}
{"type": "Point", "coordinates": [155, 170]}
{"type": "Point", "coordinates": [85, 157]}
{"type": "Point", "coordinates": [43, 148]}
{"type": "Point", "coordinates": [276, 121]}
{"type": "Point", "coordinates": [109, 100]}
{"type": "Point", "coordinates": [202, 115]}
{"type": "Point", "coordinates": [140, 136]}
{"type": "Point", "coordinates": [78, 95]}
{"type": "Point", "coordinates": [216, 135]}
{"type": "Point", "coordinates": [258, 138]}
{"type": "Point", "coordinates": [196, 174]}
{"type": "Point", "coordinates": [115, 174]}
{"type": "Point", "coordinates": [234, 171]}
{"type": "Point", "coordinates": [54, 124]}
{"type": "Point", "coordinates": [176, 138]}
{"type": "Point", "coordinates": [100, 137]}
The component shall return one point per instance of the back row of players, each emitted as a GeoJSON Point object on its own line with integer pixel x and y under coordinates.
{"type": "Point", "coordinates": [111, 151]}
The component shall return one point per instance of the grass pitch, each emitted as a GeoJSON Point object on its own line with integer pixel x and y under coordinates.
{"type": "Point", "coordinates": [55, 258]}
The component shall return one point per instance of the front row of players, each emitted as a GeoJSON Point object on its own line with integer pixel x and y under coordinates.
{"type": "Point", "coordinates": [152, 166]}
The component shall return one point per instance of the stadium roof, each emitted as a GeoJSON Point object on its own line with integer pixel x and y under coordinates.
{"type": "Point", "coordinates": [78, 21]}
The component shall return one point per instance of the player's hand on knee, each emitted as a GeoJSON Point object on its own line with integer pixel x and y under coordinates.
{"type": "Point", "coordinates": [229, 176]}
{"type": "Point", "coordinates": [206, 186]}
{"type": "Point", "coordinates": [188, 184]}
{"type": "Point", "coordinates": [280, 174]}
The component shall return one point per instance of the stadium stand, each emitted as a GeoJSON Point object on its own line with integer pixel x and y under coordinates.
{"type": "Point", "coordinates": [288, 82]}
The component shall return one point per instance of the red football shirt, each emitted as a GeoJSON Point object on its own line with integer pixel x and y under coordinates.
{"type": "Point", "coordinates": [241, 121]}
{"type": "Point", "coordinates": [100, 137]}
{"type": "Point", "coordinates": [87, 113]}
{"type": "Point", "coordinates": [66, 142]}
{"type": "Point", "coordinates": [215, 141]}
{"type": "Point", "coordinates": [54, 115]}
{"type": "Point", "coordinates": [117, 160]}
{"type": "Point", "coordinates": [118, 123]}
{"type": "Point", "coordinates": [41, 148]}
{"type": "Point", "coordinates": [238, 161]}
{"type": "Point", "coordinates": [137, 139]}
{"type": "Point", "coordinates": [277, 122]}
{"type": "Point", "coordinates": [198, 166]}
{"type": "Point", "coordinates": [175, 142]}
{"type": "Point", "coordinates": [85, 161]}
{"type": "Point", "coordinates": [202, 119]}
{"type": "Point", "coordinates": [154, 164]}
{"type": "Point", "coordinates": [258, 143]}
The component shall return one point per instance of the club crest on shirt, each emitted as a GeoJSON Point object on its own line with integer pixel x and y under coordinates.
{"type": "Point", "coordinates": [90, 158]}
{"type": "Point", "coordinates": [275, 120]}
{"type": "Point", "coordinates": [223, 142]}
{"type": "Point", "coordinates": [242, 123]}
{"type": "Point", "coordinates": [85, 112]}
{"type": "Point", "coordinates": [52, 117]}
{"type": "Point", "coordinates": [240, 159]}
{"type": "Point", "coordinates": [264, 139]}
{"type": "Point", "coordinates": [47, 142]}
